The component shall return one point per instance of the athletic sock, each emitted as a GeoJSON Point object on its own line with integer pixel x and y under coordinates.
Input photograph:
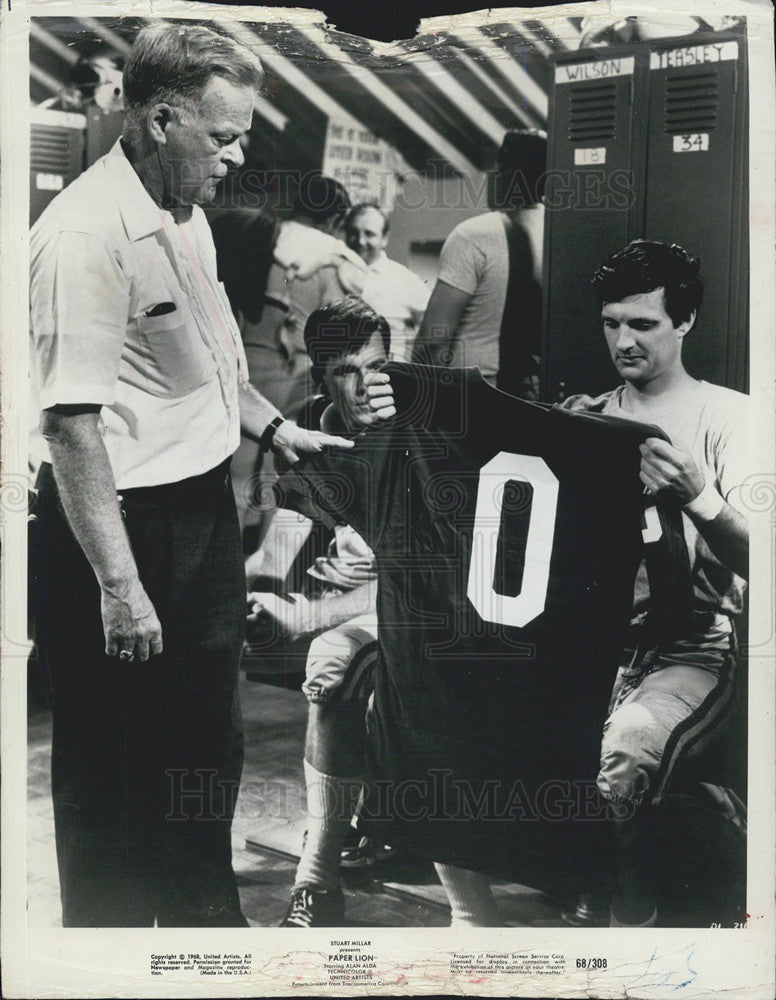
{"type": "Point", "coordinates": [471, 901]}
{"type": "Point", "coordinates": [331, 801]}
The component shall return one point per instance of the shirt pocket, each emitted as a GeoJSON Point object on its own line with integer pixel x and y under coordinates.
{"type": "Point", "coordinates": [173, 359]}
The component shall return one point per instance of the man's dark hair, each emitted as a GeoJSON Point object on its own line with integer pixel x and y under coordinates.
{"type": "Point", "coordinates": [172, 63]}
{"type": "Point", "coordinates": [84, 75]}
{"type": "Point", "coordinates": [644, 265]}
{"type": "Point", "coordinates": [354, 213]}
{"type": "Point", "coordinates": [320, 198]}
{"type": "Point", "coordinates": [343, 327]}
{"type": "Point", "coordinates": [521, 170]}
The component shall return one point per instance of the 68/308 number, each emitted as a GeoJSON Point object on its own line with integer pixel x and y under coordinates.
{"type": "Point", "coordinates": [591, 963]}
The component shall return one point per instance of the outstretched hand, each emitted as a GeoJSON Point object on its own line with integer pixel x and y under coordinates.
{"type": "Point", "coordinates": [291, 441]}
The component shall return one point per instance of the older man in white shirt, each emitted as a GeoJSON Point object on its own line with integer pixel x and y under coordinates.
{"type": "Point", "coordinates": [142, 384]}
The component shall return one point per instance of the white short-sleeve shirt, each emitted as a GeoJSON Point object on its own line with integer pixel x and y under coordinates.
{"type": "Point", "coordinates": [398, 294]}
{"type": "Point", "coordinates": [126, 311]}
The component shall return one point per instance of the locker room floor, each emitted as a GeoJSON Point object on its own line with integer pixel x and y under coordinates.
{"type": "Point", "coordinates": [267, 834]}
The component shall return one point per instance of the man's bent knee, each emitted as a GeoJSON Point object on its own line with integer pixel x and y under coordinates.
{"type": "Point", "coordinates": [631, 751]}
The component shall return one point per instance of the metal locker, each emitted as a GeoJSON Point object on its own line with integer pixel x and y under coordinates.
{"type": "Point", "coordinates": [56, 155]}
{"type": "Point", "coordinates": [696, 188]}
{"type": "Point", "coordinates": [591, 196]}
{"type": "Point", "coordinates": [666, 122]}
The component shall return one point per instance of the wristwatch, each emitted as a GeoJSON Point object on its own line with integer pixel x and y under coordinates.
{"type": "Point", "coordinates": [266, 441]}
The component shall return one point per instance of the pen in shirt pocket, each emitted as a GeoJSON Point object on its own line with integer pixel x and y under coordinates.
{"type": "Point", "coordinates": [161, 309]}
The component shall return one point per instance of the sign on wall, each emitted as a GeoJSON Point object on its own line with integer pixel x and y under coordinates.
{"type": "Point", "coordinates": [360, 161]}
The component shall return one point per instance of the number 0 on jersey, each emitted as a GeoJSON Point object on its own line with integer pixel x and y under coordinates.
{"type": "Point", "coordinates": [514, 527]}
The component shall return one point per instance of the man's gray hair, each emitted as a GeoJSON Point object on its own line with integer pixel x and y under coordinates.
{"type": "Point", "coordinates": [172, 63]}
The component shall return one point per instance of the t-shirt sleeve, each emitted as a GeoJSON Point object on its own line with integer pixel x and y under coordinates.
{"type": "Point", "coordinates": [732, 459]}
{"type": "Point", "coordinates": [79, 304]}
{"type": "Point", "coordinates": [460, 262]}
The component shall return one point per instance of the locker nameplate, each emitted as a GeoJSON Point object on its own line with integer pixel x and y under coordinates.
{"type": "Point", "coordinates": [698, 142]}
{"type": "Point", "coordinates": [49, 182]}
{"type": "Point", "coordinates": [588, 157]}
{"type": "Point", "coordinates": [693, 55]}
{"type": "Point", "coordinates": [599, 69]}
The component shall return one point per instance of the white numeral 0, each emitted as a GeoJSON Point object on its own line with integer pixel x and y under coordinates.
{"type": "Point", "coordinates": [529, 603]}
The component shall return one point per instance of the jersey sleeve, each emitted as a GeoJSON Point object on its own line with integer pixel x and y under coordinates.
{"type": "Point", "coordinates": [299, 490]}
{"type": "Point", "coordinates": [581, 403]}
{"type": "Point", "coordinates": [668, 571]}
{"type": "Point", "coordinates": [355, 487]}
{"type": "Point", "coordinates": [364, 486]}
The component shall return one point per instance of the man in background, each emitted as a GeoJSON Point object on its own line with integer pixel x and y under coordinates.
{"type": "Point", "coordinates": [390, 288]}
{"type": "Point", "coordinates": [311, 267]}
{"type": "Point", "coordinates": [486, 307]}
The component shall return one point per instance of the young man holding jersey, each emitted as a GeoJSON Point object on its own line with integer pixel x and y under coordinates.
{"type": "Point", "coordinates": [670, 700]}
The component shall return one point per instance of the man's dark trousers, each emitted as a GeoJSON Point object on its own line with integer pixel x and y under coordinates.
{"type": "Point", "coordinates": [147, 757]}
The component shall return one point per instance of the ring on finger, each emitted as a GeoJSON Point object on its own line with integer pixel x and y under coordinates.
{"type": "Point", "coordinates": [126, 655]}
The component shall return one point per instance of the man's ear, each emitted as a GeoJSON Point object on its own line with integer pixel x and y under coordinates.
{"type": "Point", "coordinates": [157, 120]}
{"type": "Point", "coordinates": [684, 328]}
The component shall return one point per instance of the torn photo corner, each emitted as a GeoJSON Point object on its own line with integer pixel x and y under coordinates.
{"type": "Point", "coordinates": [435, 793]}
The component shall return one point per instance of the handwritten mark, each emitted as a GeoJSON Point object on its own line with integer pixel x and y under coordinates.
{"type": "Point", "coordinates": [658, 971]}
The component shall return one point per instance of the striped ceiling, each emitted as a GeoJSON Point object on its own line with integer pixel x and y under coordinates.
{"type": "Point", "coordinates": [442, 100]}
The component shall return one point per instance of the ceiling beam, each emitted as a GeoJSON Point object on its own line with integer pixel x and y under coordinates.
{"type": "Point", "coordinates": [53, 43]}
{"type": "Point", "coordinates": [444, 80]}
{"type": "Point", "coordinates": [474, 67]}
{"type": "Point", "coordinates": [45, 79]}
{"type": "Point", "coordinates": [292, 75]}
{"type": "Point", "coordinates": [507, 65]}
{"type": "Point", "coordinates": [108, 36]}
{"type": "Point", "coordinates": [382, 93]}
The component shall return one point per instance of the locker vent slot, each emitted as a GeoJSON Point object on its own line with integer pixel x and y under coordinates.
{"type": "Point", "coordinates": [691, 102]}
{"type": "Point", "coordinates": [592, 112]}
{"type": "Point", "coordinates": [50, 149]}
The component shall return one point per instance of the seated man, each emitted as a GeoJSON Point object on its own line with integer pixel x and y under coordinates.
{"type": "Point", "coordinates": [341, 617]}
{"type": "Point", "coordinates": [670, 699]}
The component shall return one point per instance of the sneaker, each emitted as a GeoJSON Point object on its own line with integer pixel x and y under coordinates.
{"type": "Point", "coordinates": [360, 852]}
{"type": "Point", "coordinates": [315, 908]}
{"type": "Point", "coordinates": [591, 911]}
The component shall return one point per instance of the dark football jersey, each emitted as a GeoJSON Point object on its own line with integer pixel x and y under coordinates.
{"type": "Point", "coordinates": [507, 537]}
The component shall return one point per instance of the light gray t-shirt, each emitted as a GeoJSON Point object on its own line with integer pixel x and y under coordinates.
{"type": "Point", "coordinates": [713, 423]}
{"type": "Point", "coordinates": [475, 260]}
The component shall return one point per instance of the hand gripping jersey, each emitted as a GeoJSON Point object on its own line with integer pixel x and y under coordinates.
{"type": "Point", "coordinates": [507, 537]}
